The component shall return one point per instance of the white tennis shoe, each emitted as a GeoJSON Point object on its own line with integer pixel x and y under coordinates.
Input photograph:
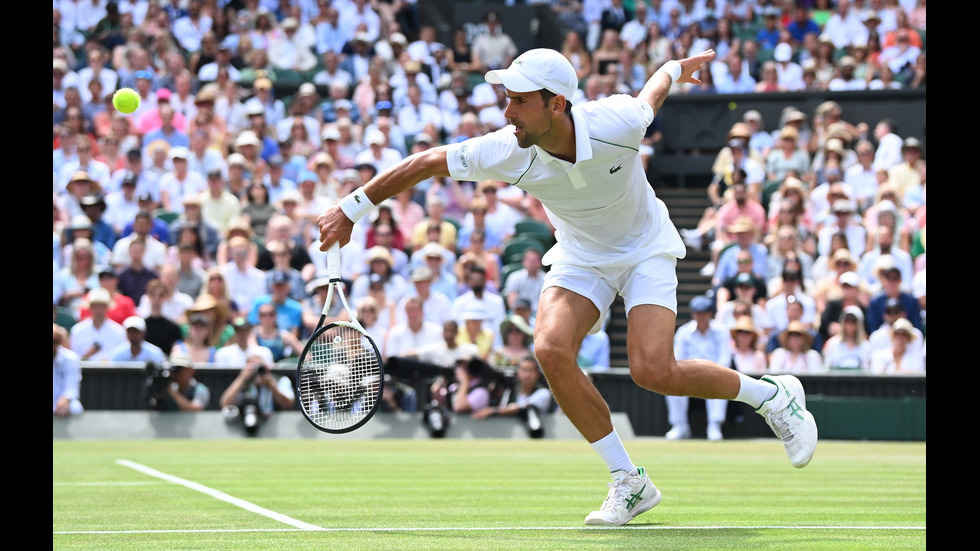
{"type": "Point", "coordinates": [787, 416]}
{"type": "Point", "coordinates": [680, 432]}
{"type": "Point", "coordinates": [629, 495]}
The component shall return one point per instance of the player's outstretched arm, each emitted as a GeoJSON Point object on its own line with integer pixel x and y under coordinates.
{"type": "Point", "coordinates": [336, 226]}
{"type": "Point", "coordinates": [655, 90]}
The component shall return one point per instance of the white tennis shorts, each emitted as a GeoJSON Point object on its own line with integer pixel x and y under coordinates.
{"type": "Point", "coordinates": [653, 281]}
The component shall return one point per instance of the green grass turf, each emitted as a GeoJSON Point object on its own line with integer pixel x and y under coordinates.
{"type": "Point", "coordinates": [479, 494]}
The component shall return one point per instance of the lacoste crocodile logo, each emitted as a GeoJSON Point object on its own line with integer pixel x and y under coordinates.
{"type": "Point", "coordinates": [357, 199]}
{"type": "Point", "coordinates": [615, 169]}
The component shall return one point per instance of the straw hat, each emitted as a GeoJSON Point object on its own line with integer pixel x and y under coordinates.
{"type": "Point", "coordinates": [518, 321]}
{"type": "Point", "coordinates": [739, 130]}
{"type": "Point", "coordinates": [745, 323]}
{"type": "Point", "coordinates": [799, 328]}
{"type": "Point", "coordinates": [741, 224]}
{"type": "Point", "coordinates": [379, 252]}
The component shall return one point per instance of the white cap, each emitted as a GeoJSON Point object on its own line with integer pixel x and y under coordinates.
{"type": "Point", "coordinates": [135, 322]}
{"type": "Point", "coordinates": [330, 132]}
{"type": "Point", "coordinates": [99, 295]}
{"type": "Point", "coordinates": [537, 69]}
{"type": "Point", "coordinates": [375, 137]}
{"type": "Point", "coordinates": [782, 52]}
{"type": "Point", "coordinates": [179, 152]}
{"type": "Point", "coordinates": [849, 278]}
{"type": "Point", "coordinates": [261, 352]}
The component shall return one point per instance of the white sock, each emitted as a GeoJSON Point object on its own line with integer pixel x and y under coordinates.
{"type": "Point", "coordinates": [610, 448]}
{"type": "Point", "coordinates": [754, 391]}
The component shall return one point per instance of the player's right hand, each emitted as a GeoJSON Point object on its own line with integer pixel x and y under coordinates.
{"type": "Point", "coordinates": [335, 227]}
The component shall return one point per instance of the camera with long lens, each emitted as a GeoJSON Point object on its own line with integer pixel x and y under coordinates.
{"type": "Point", "coordinates": [250, 414]}
{"type": "Point", "coordinates": [158, 378]}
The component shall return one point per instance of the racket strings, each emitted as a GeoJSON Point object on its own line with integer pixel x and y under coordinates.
{"type": "Point", "coordinates": [339, 378]}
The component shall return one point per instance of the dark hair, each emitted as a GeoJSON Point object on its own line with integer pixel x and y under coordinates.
{"type": "Point", "coordinates": [548, 94]}
{"type": "Point", "coordinates": [256, 184]}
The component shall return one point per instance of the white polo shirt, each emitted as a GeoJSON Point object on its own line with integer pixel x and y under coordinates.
{"type": "Point", "coordinates": [604, 211]}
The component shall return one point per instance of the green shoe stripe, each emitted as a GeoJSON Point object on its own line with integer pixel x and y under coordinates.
{"type": "Point", "coordinates": [779, 386]}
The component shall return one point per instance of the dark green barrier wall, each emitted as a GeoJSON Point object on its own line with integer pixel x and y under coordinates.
{"type": "Point", "coordinates": [845, 407]}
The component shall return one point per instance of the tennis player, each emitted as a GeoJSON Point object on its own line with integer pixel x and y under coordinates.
{"type": "Point", "coordinates": [613, 236]}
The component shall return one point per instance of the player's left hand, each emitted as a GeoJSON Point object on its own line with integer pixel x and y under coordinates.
{"type": "Point", "coordinates": [690, 65]}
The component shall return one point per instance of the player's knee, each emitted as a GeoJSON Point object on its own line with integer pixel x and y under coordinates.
{"type": "Point", "coordinates": [552, 356]}
{"type": "Point", "coordinates": [655, 375]}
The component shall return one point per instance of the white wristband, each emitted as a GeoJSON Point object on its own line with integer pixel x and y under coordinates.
{"type": "Point", "coordinates": [356, 205]}
{"type": "Point", "coordinates": [672, 69]}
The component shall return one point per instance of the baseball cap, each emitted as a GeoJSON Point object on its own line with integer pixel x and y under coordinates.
{"type": "Point", "coordinates": [744, 279]}
{"type": "Point", "coordinates": [330, 132]}
{"type": "Point", "coordinates": [422, 273]}
{"type": "Point", "coordinates": [307, 89]}
{"type": "Point", "coordinates": [163, 94]}
{"type": "Point", "coordinates": [129, 180]}
{"type": "Point", "coordinates": [375, 137]}
{"type": "Point", "coordinates": [536, 69]}
{"type": "Point", "coordinates": [241, 322]}
{"type": "Point", "coordinates": [280, 277]}
{"type": "Point", "coordinates": [261, 352]}
{"type": "Point", "coordinates": [99, 296]}
{"type": "Point", "coordinates": [433, 249]}
{"type": "Point", "coordinates": [782, 52]}
{"type": "Point", "coordinates": [92, 199]}
{"type": "Point", "coordinates": [317, 283]}
{"type": "Point", "coordinates": [144, 74]}
{"type": "Point", "coordinates": [700, 303]}
{"type": "Point", "coordinates": [145, 196]}
{"type": "Point", "coordinates": [853, 310]}
{"type": "Point", "coordinates": [180, 360]}
{"type": "Point", "coordinates": [849, 278]}
{"type": "Point", "coordinates": [135, 322]}
{"type": "Point", "coordinates": [179, 152]}
{"type": "Point", "coordinates": [894, 305]}
{"type": "Point", "coordinates": [80, 222]}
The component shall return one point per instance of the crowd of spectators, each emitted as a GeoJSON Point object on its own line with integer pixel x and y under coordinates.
{"type": "Point", "coordinates": [198, 209]}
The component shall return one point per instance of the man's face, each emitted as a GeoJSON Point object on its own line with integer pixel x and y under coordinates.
{"type": "Point", "coordinates": [531, 116]}
{"type": "Point", "coordinates": [135, 336]}
{"type": "Point", "coordinates": [142, 226]}
{"type": "Point", "coordinates": [99, 310]}
{"type": "Point", "coordinates": [413, 311]}
{"type": "Point", "coordinates": [280, 291]}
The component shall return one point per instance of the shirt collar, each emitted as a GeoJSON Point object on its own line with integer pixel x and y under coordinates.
{"type": "Point", "coordinates": [583, 144]}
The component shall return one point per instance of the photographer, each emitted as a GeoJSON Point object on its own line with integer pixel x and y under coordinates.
{"type": "Point", "coordinates": [474, 385]}
{"type": "Point", "coordinates": [174, 388]}
{"type": "Point", "coordinates": [256, 392]}
{"type": "Point", "coordinates": [530, 399]}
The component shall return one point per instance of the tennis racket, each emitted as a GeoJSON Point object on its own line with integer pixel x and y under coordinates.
{"type": "Point", "coordinates": [339, 375]}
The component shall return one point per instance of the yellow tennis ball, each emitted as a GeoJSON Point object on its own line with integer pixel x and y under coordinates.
{"type": "Point", "coordinates": [126, 100]}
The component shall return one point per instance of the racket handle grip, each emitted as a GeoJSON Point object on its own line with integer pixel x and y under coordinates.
{"type": "Point", "coordinates": [333, 262]}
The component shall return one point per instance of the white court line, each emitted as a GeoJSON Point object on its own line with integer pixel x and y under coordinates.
{"type": "Point", "coordinates": [499, 528]}
{"type": "Point", "coordinates": [218, 495]}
